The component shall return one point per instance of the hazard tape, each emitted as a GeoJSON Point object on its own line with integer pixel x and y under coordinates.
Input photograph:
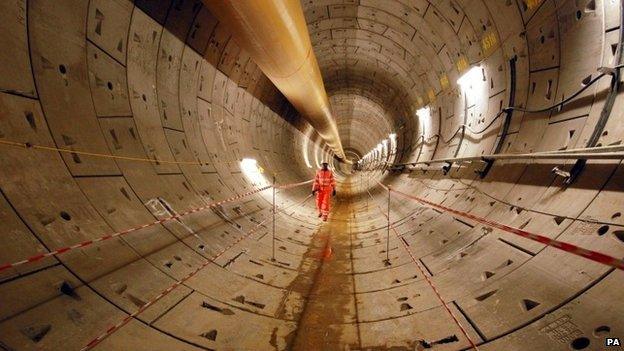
{"type": "Point", "coordinates": [422, 271]}
{"type": "Point", "coordinates": [283, 210]}
{"type": "Point", "coordinates": [567, 247]}
{"type": "Point", "coordinates": [86, 243]}
{"type": "Point", "coordinates": [164, 293]}
{"type": "Point", "coordinates": [294, 185]}
{"type": "Point", "coordinates": [127, 319]}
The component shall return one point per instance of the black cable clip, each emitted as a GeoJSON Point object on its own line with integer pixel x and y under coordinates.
{"type": "Point", "coordinates": [489, 162]}
{"type": "Point", "coordinates": [575, 171]}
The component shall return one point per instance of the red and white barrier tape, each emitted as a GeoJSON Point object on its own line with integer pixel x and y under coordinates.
{"type": "Point", "coordinates": [567, 247]}
{"type": "Point", "coordinates": [283, 210]}
{"type": "Point", "coordinates": [435, 290]}
{"type": "Point", "coordinates": [293, 185]}
{"type": "Point", "coordinates": [164, 293]}
{"type": "Point", "coordinates": [128, 318]}
{"type": "Point", "coordinates": [86, 243]}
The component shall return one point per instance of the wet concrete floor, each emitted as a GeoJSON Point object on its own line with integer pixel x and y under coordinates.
{"type": "Point", "coordinates": [329, 316]}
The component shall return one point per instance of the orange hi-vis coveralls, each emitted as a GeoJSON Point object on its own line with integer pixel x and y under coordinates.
{"type": "Point", "coordinates": [324, 185]}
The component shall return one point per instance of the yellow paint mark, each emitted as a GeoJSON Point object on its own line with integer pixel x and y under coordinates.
{"type": "Point", "coordinates": [444, 82]}
{"type": "Point", "coordinates": [531, 4]}
{"type": "Point", "coordinates": [489, 41]}
{"type": "Point", "coordinates": [420, 100]}
{"type": "Point", "coordinates": [431, 95]}
{"type": "Point", "coordinates": [462, 64]}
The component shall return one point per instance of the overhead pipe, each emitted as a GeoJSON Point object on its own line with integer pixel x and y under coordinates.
{"type": "Point", "coordinates": [275, 35]}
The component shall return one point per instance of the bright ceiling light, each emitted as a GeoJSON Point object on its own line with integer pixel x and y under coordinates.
{"type": "Point", "coordinates": [253, 172]}
{"type": "Point", "coordinates": [470, 78]}
{"type": "Point", "coordinates": [424, 113]}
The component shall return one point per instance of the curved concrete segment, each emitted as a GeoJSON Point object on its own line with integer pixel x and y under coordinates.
{"type": "Point", "coordinates": [131, 134]}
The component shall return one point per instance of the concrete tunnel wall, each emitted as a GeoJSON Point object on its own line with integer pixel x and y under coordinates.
{"type": "Point", "coordinates": [165, 81]}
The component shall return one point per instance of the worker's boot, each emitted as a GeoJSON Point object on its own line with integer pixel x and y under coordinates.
{"type": "Point", "coordinates": [324, 218]}
{"type": "Point", "coordinates": [320, 214]}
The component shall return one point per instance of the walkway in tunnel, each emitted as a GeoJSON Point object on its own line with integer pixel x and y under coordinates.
{"type": "Point", "coordinates": [329, 315]}
{"type": "Point", "coordinates": [334, 289]}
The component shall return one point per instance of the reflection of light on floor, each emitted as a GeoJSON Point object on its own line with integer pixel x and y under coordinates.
{"type": "Point", "coordinates": [253, 172]}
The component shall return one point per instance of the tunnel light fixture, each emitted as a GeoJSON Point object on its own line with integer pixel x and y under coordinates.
{"type": "Point", "coordinates": [393, 140]}
{"type": "Point", "coordinates": [424, 119]}
{"type": "Point", "coordinates": [393, 143]}
{"type": "Point", "coordinates": [424, 113]}
{"type": "Point", "coordinates": [380, 153]}
{"type": "Point", "coordinates": [253, 172]}
{"type": "Point", "coordinates": [470, 78]}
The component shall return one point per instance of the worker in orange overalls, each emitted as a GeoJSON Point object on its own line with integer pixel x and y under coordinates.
{"type": "Point", "coordinates": [324, 186]}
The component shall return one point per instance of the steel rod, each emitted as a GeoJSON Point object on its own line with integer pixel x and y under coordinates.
{"type": "Point", "coordinates": [273, 236]}
{"type": "Point", "coordinates": [388, 231]}
{"type": "Point", "coordinates": [603, 153]}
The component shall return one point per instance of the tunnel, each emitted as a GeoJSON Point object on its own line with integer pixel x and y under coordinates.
{"type": "Point", "coordinates": [156, 177]}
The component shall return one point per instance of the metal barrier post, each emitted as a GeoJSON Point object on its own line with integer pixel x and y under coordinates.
{"type": "Point", "coordinates": [388, 232]}
{"type": "Point", "coordinates": [273, 236]}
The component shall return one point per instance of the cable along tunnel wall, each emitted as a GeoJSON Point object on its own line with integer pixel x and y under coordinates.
{"type": "Point", "coordinates": [165, 82]}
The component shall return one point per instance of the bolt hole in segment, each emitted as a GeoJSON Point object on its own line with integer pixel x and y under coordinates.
{"type": "Point", "coordinates": [573, 249]}
{"type": "Point", "coordinates": [602, 331]}
{"type": "Point", "coordinates": [406, 306]}
{"type": "Point", "coordinates": [67, 217]}
{"type": "Point", "coordinates": [580, 343]}
{"type": "Point", "coordinates": [144, 306]}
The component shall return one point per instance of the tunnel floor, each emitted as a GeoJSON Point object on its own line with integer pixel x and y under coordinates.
{"type": "Point", "coordinates": [329, 316]}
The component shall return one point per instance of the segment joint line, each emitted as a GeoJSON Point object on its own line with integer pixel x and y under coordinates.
{"type": "Point", "coordinates": [561, 245]}
{"type": "Point", "coordinates": [422, 271]}
{"type": "Point", "coordinates": [165, 292]}
{"type": "Point", "coordinates": [86, 243]}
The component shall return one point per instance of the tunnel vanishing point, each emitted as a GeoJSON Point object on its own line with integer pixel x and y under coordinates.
{"type": "Point", "coordinates": [156, 158]}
